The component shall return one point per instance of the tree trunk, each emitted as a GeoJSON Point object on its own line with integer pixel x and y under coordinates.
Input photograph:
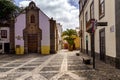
{"type": "Point", "coordinates": [70, 48]}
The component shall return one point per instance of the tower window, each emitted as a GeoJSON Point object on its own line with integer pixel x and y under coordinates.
{"type": "Point", "coordinates": [32, 19]}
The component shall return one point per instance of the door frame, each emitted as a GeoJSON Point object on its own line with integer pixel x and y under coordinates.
{"type": "Point", "coordinates": [6, 47]}
{"type": "Point", "coordinates": [36, 39]}
{"type": "Point", "coordinates": [102, 55]}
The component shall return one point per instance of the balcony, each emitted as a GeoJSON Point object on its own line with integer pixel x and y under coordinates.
{"type": "Point", "coordinates": [89, 25]}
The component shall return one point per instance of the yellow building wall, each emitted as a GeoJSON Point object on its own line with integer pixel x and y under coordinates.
{"type": "Point", "coordinates": [45, 50]}
{"type": "Point", "coordinates": [19, 50]}
{"type": "Point", "coordinates": [77, 43]}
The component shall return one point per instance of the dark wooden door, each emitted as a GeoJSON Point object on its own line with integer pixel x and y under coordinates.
{"type": "Point", "coordinates": [6, 47]}
{"type": "Point", "coordinates": [102, 44]}
{"type": "Point", "coordinates": [86, 47]}
{"type": "Point", "coordinates": [92, 44]}
{"type": "Point", "coordinates": [32, 43]}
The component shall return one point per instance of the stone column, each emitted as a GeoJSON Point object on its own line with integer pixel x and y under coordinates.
{"type": "Point", "coordinates": [52, 35]}
{"type": "Point", "coordinates": [12, 36]}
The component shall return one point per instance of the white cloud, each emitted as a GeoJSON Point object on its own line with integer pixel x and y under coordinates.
{"type": "Point", "coordinates": [60, 10]}
{"type": "Point", "coordinates": [23, 3]}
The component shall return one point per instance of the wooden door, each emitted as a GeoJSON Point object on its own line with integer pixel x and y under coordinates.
{"type": "Point", "coordinates": [32, 43]}
{"type": "Point", "coordinates": [92, 44]}
{"type": "Point", "coordinates": [102, 44]}
{"type": "Point", "coordinates": [6, 47]}
{"type": "Point", "coordinates": [86, 44]}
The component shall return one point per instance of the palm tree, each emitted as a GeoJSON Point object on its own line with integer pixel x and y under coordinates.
{"type": "Point", "coordinates": [69, 35]}
{"type": "Point", "coordinates": [7, 10]}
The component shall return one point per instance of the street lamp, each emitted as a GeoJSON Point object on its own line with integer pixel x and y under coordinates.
{"type": "Point", "coordinates": [93, 40]}
{"type": "Point", "coordinates": [94, 27]}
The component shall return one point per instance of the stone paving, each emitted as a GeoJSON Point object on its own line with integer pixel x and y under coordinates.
{"type": "Point", "coordinates": [64, 65]}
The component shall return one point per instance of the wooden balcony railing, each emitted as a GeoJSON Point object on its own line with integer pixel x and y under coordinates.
{"type": "Point", "coordinates": [89, 25]}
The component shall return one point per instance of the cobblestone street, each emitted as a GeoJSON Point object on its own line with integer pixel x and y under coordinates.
{"type": "Point", "coordinates": [62, 66]}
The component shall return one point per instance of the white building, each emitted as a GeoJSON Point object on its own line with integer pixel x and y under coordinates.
{"type": "Point", "coordinates": [4, 39]}
{"type": "Point", "coordinates": [107, 39]}
{"type": "Point", "coordinates": [59, 28]}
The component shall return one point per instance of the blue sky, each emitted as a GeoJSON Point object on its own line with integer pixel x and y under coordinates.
{"type": "Point", "coordinates": [74, 3]}
{"type": "Point", "coordinates": [64, 12]}
{"type": "Point", "coordinates": [71, 2]}
{"type": "Point", "coordinates": [17, 1]}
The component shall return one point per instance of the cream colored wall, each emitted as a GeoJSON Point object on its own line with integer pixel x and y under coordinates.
{"type": "Point", "coordinates": [110, 18]}
{"type": "Point", "coordinates": [87, 9]}
{"type": "Point", "coordinates": [59, 28]}
{"type": "Point", "coordinates": [5, 40]}
{"type": "Point", "coordinates": [82, 28]}
{"type": "Point", "coordinates": [89, 42]}
{"type": "Point", "coordinates": [109, 36]}
{"type": "Point", "coordinates": [96, 15]}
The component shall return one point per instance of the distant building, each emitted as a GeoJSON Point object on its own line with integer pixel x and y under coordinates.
{"type": "Point", "coordinates": [59, 28]}
{"type": "Point", "coordinates": [77, 40]}
{"type": "Point", "coordinates": [107, 39]}
{"type": "Point", "coordinates": [33, 32]}
{"type": "Point", "coordinates": [7, 36]}
{"type": "Point", "coordinates": [76, 45]}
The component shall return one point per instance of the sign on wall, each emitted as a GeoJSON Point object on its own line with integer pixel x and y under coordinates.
{"type": "Point", "coordinates": [19, 37]}
{"type": "Point", "coordinates": [112, 28]}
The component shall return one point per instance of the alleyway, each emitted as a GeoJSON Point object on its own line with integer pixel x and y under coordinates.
{"type": "Point", "coordinates": [62, 66]}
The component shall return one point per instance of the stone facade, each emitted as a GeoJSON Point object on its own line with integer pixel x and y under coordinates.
{"type": "Point", "coordinates": [52, 36]}
{"type": "Point", "coordinates": [32, 28]}
{"type": "Point", "coordinates": [12, 37]}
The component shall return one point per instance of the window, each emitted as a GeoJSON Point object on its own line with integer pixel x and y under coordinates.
{"type": "Point", "coordinates": [101, 8]}
{"type": "Point", "coordinates": [92, 10]}
{"type": "Point", "coordinates": [86, 17]}
{"type": "Point", "coordinates": [32, 18]}
{"type": "Point", "coordinates": [3, 33]}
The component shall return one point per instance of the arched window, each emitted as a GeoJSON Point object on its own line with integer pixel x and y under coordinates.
{"type": "Point", "coordinates": [32, 18]}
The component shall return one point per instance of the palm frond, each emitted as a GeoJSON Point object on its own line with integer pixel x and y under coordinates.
{"type": "Point", "coordinates": [69, 35]}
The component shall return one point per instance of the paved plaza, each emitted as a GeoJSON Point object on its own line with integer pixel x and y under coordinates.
{"type": "Point", "coordinates": [64, 65]}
